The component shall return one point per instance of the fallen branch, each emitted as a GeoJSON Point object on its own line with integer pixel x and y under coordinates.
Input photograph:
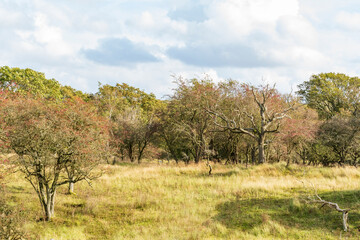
{"type": "Point", "coordinates": [335, 206]}
{"type": "Point", "coordinates": [344, 212]}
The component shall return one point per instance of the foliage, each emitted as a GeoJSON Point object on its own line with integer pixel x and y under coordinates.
{"type": "Point", "coordinates": [25, 81]}
{"type": "Point", "coordinates": [112, 100]}
{"type": "Point", "coordinates": [30, 82]}
{"type": "Point", "coordinates": [133, 132]}
{"type": "Point", "coordinates": [133, 117]}
{"type": "Point", "coordinates": [50, 138]}
{"type": "Point", "coordinates": [186, 124]}
{"type": "Point", "coordinates": [68, 92]}
{"type": "Point", "coordinates": [256, 112]}
{"type": "Point", "coordinates": [341, 137]}
{"type": "Point", "coordinates": [295, 135]}
{"type": "Point", "coordinates": [331, 94]}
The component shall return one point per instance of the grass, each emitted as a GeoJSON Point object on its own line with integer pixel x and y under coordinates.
{"type": "Point", "coordinates": [153, 201]}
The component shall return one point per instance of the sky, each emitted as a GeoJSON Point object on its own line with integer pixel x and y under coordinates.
{"type": "Point", "coordinates": [148, 43]}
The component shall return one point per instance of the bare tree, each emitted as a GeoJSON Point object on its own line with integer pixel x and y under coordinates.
{"type": "Point", "coordinates": [256, 112]}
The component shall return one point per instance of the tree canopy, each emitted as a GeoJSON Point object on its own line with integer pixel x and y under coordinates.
{"type": "Point", "coordinates": [331, 94]}
{"type": "Point", "coordinates": [56, 144]}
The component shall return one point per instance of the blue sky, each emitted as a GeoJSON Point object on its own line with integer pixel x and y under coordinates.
{"type": "Point", "coordinates": [145, 42]}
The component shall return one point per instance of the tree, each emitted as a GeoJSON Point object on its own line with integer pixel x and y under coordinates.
{"type": "Point", "coordinates": [133, 132]}
{"type": "Point", "coordinates": [173, 140]}
{"type": "Point", "coordinates": [331, 94]}
{"type": "Point", "coordinates": [50, 139]}
{"type": "Point", "coordinates": [255, 112]}
{"type": "Point", "coordinates": [28, 81]}
{"type": "Point", "coordinates": [68, 92]}
{"type": "Point", "coordinates": [341, 136]}
{"type": "Point", "coordinates": [132, 113]}
{"type": "Point", "coordinates": [86, 148]}
{"type": "Point", "coordinates": [188, 115]}
{"type": "Point", "coordinates": [33, 83]}
{"type": "Point", "coordinates": [296, 133]}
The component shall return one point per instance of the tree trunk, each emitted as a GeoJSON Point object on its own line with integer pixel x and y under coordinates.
{"type": "Point", "coordinates": [131, 156]}
{"type": "Point", "coordinates": [141, 151]}
{"type": "Point", "coordinates": [261, 150]}
{"type": "Point", "coordinates": [122, 153]}
{"type": "Point", "coordinates": [52, 203]}
{"type": "Point", "coordinates": [114, 160]}
{"type": "Point", "coordinates": [236, 156]}
{"type": "Point", "coordinates": [48, 205]}
{"type": "Point", "coordinates": [246, 155]}
{"type": "Point", "coordinates": [71, 187]}
{"type": "Point", "coordinates": [253, 152]}
{"type": "Point", "coordinates": [197, 154]}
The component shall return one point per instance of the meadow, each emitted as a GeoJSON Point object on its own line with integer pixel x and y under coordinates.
{"type": "Point", "coordinates": [168, 201]}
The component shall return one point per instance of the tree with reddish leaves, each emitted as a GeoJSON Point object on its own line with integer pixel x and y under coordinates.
{"type": "Point", "coordinates": [296, 133]}
{"type": "Point", "coordinates": [55, 143]}
{"type": "Point", "coordinates": [256, 112]}
{"type": "Point", "coordinates": [188, 117]}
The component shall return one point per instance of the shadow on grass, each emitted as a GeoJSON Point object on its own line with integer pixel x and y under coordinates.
{"type": "Point", "coordinates": [16, 189]}
{"type": "Point", "coordinates": [216, 174]}
{"type": "Point", "coordinates": [225, 174]}
{"type": "Point", "coordinates": [246, 214]}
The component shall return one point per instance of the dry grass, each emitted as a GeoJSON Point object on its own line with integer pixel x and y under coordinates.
{"type": "Point", "coordinates": [154, 201]}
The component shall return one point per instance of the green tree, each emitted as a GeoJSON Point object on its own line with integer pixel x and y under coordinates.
{"type": "Point", "coordinates": [341, 136]}
{"type": "Point", "coordinates": [133, 116]}
{"type": "Point", "coordinates": [174, 141]}
{"type": "Point", "coordinates": [28, 81]}
{"type": "Point", "coordinates": [331, 94]}
{"type": "Point", "coordinates": [68, 92]}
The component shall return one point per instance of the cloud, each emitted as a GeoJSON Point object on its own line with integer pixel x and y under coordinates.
{"type": "Point", "coordinates": [244, 33]}
{"type": "Point", "coordinates": [155, 28]}
{"type": "Point", "coordinates": [350, 21]}
{"type": "Point", "coordinates": [82, 42]}
{"type": "Point", "coordinates": [239, 18]}
{"type": "Point", "coordinates": [115, 51]}
{"type": "Point", "coordinates": [190, 13]}
{"type": "Point", "coordinates": [232, 55]}
{"type": "Point", "coordinates": [296, 30]}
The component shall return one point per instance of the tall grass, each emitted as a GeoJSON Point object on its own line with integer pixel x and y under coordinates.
{"type": "Point", "coordinates": [153, 201]}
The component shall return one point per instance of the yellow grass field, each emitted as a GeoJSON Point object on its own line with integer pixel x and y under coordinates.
{"type": "Point", "coordinates": [161, 201]}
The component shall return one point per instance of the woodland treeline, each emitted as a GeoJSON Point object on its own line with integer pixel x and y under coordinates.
{"type": "Point", "coordinates": [228, 122]}
{"type": "Point", "coordinates": [57, 135]}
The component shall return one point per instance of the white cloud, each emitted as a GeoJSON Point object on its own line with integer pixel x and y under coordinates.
{"type": "Point", "coordinates": [240, 18]}
{"type": "Point", "coordinates": [155, 28]}
{"type": "Point", "coordinates": [284, 41]}
{"type": "Point", "coordinates": [297, 30]}
{"type": "Point", "coordinates": [349, 20]}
